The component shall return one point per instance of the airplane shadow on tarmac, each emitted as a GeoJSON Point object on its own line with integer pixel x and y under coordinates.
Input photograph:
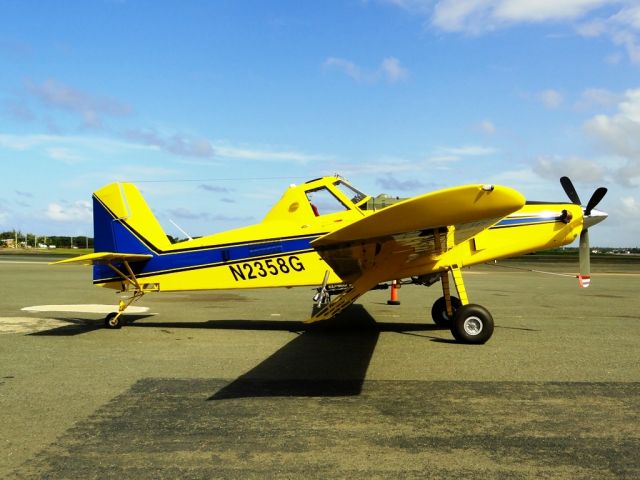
{"type": "Point", "coordinates": [326, 359]}
{"type": "Point", "coordinates": [78, 326]}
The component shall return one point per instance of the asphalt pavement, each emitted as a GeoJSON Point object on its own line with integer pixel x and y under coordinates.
{"type": "Point", "coordinates": [232, 384]}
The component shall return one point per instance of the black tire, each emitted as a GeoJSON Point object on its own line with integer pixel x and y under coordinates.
{"type": "Point", "coordinates": [472, 324]}
{"type": "Point", "coordinates": [439, 311]}
{"type": "Point", "coordinates": [113, 321]}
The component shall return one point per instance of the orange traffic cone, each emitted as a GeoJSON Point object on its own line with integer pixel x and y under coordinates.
{"type": "Point", "coordinates": [394, 294]}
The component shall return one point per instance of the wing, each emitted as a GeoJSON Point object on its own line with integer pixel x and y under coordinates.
{"type": "Point", "coordinates": [420, 227]}
{"type": "Point", "coordinates": [104, 258]}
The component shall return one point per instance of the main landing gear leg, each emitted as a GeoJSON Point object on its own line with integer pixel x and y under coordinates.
{"type": "Point", "coordinates": [469, 323]}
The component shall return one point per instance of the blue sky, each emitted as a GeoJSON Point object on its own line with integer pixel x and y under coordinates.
{"type": "Point", "coordinates": [214, 107]}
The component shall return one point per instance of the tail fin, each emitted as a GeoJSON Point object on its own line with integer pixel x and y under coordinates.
{"type": "Point", "coordinates": [123, 222]}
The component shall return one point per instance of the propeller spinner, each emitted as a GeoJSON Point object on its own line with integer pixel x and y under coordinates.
{"type": "Point", "coordinates": [590, 218]}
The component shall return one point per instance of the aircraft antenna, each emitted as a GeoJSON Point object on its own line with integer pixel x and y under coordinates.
{"type": "Point", "coordinates": [225, 179]}
{"type": "Point", "coordinates": [178, 227]}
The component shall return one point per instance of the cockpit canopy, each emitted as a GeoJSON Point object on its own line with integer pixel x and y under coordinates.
{"type": "Point", "coordinates": [318, 198]}
{"type": "Point", "coordinates": [323, 199]}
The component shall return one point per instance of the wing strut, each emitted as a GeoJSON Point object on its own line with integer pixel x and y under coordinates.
{"type": "Point", "coordinates": [444, 277]}
{"type": "Point", "coordinates": [459, 283]}
{"type": "Point", "coordinates": [446, 289]}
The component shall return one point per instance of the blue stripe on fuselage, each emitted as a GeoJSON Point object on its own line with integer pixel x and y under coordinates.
{"type": "Point", "coordinates": [515, 222]}
{"type": "Point", "coordinates": [206, 257]}
{"type": "Point", "coordinates": [116, 236]}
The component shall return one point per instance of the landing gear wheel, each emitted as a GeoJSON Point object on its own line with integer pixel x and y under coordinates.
{"type": "Point", "coordinates": [439, 311]}
{"type": "Point", "coordinates": [113, 320]}
{"type": "Point", "coordinates": [472, 324]}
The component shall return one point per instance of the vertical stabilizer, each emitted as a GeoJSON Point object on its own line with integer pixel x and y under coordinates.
{"type": "Point", "coordinates": [123, 222]}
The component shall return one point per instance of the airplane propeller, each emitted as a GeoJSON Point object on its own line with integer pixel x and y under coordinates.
{"type": "Point", "coordinates": [595, 199]}
{"type": "Point", "coordinates": [590, 218]}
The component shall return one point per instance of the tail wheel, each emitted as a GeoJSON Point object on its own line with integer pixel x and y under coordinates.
{"type": "Point", "coordinates": [439, 311]}
{"type": "Point", "coordinates": [472, 324]}
{"type": "Point", "coordinates": [113, 320]}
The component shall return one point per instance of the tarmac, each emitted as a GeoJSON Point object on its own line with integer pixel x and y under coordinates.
{"type": "Point", "coordinates": [232, 384]}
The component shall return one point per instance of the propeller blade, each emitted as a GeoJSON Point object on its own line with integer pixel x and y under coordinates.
{"type": "Point", "coordinates": [595, 199]}
{"type": "Point", "coordinates": [570, 190]}
{"type": "Point", "coordinates": [585, 260]}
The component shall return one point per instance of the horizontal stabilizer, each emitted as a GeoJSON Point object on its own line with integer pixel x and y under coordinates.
{"type": "Point", "coordinates": [104, 258]}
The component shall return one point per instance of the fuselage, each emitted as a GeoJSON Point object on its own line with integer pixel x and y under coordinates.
{"type": "Point", "coordinates": [277, 252]}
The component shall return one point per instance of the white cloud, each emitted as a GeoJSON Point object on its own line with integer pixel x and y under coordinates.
{"type": "Point", "coordinates": [487, 126]}
{"type": "Point", "coordinates": [345, 66]}
{"type": "Point", "coordinates": [477, 16]}
{"type": "Point", "coordinates": [597, 98]}
{"type": "Point", "coordinates": [588, 17]}
{"type": "Point", "coordinates": [550, 98]}
{"type": "Point", "coordinates": [383, 165]}
{"type": "Point", "coordinates": [523, 176]}
{"type": "Point", "coordinates": [545, 10]}
{"type": "Point", "coordinates": [631, 205]}
{"type": "Point", "coordinates": [64, 155]}
{"type": "Point", "coordinates": [72, 149]}
{"type": "Point", "coordinates": [390, 70]}
{"type": "Point", "coordinates": [579, 169]}
{"type": "Point", "coordinates": [619, 135]}
{"type": "Point", "coordinates": [225, 150]}
{"type": "Point", "coordinates": [4, 214]}
{"type": "Point", "coordinates": [17, 109]}
{"type": "Point", "coordinates": [622, 28]}
{"type": "Point", "coordinates": [468, 150]}
{"type": "Point", "coordinates": [625, 215]}
{"type": "Point", "coordinates": [176, 144]}
{"type": "Point", "coordinates": [392, 184]}
{"type": "Point", "coordinates": [463, 16]}
{"type": "Point", "coordinates": [27, 142]}
{"type": "Point", "coordinates": [441, 161]}
{"type": "Point", "coordinates": [79, 211]}
{"type": "Point", "coordinates": [91, 108]}
{"type": "Point", "coordinates": [441, 158]}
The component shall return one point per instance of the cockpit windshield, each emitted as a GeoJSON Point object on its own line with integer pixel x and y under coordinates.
{"type": "Point", "coordinates": [351, 193]}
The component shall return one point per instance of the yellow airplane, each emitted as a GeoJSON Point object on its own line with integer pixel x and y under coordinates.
{"type": "Point", "coordinates": [326, 234]}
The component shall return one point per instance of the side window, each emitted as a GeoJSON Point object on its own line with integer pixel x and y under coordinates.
{"type": "Point", "coordinates": [323, 202]}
